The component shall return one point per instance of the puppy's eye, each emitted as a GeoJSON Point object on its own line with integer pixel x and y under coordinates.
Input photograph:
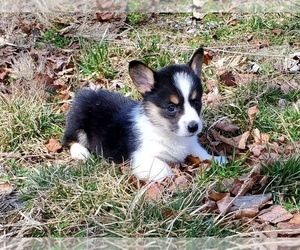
{"type": "Point", "coordinates": [196, 103]}
{"type": "Point", "coordinates": [171, 110]}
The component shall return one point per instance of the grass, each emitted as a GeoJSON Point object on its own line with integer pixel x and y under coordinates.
{"type": "Point", "coordinates": [94, 60]}
{"type": "Point", "coordinates": [64, 198]}
{"type": "Point", "coordinates": [284, 181]}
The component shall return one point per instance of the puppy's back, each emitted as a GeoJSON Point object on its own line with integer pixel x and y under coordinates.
{"type": "Point", "coordinates": [102, 121]}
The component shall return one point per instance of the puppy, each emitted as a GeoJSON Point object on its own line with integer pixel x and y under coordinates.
{"type": "Point", "coordinates": [159, 130]}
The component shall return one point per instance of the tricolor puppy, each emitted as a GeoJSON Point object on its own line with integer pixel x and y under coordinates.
{"type": "Point", "coordinates": [159, 130]}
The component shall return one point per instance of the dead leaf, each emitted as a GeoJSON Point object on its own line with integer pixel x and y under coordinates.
{"type": "Point", "coordinates": [236, 187]}
{"type": "Point", "coordinates": [275, 214]}
{"type": "Point", "coordinates": [44, 79]}
{"type": "Point", "coordinates": [249, 37]}
{"type": "Point", "coordinates": [277, 31]}
{"type": "Point", "coordinates": [212, 97]}
{"type": "Point", "coordinates": [252, 112]}
{"type": "Point", "coordinates": [6, 188]}
{"type": "Point", "coordinates": [53, 145]}
{"type": "Point", "coordinates": [193, 160]}
{"type": "Point", "coordinates": [237, 142]}
{"type": "Point", "coordinates": [216, 196]}
{"type": "Point", "coordinates": [243, 79]}
{"type": "Point", "coordinates": [259, 44]}
{"type": "Point", "coordinates": [64, 94]}
{"type": "Point", "coordinates": [226, 127]}
{"type": "Point", "coordinates": [208, 56]}
{"type": "Point", "coordinates": [260, 138]}
{"type": "Point", "coordinates": [154, 191]}
{"type": "Point", "coordinates": [211, 84]}
{"type": "Point", "coordinates": [104, 16]}
{"type": "Point", "coordinates": [292, 63]}
{"type": "Point", "coordinates": [254, 68]}
{"type": "Point", "coordinates": [250, 201]}
{"type": "Point", "coordinates": [180, 183]}
{"type": "Point", "coordinates": [228, 79]}
{"type": "Point", "coordinates": [233, 22]}
{"type": "Point", "coordinates": [295, 219]}
{"type": "Point", "coordinates": [246, 213]}
{"type": "Point", "coordinates": [65, 107]}
{"type": "Point", "coordinates": [270, 231]}
{"type": "Point", "coordinates": [288, 229]}
{"type": "Point", "coordinates": [225, 204]}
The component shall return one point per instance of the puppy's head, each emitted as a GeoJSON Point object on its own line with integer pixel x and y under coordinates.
{"type": "Point", "coordinates": [172, 95]}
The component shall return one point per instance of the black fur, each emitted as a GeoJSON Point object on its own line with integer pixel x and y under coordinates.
{"type": "Point", "coordinates": [106, 118]}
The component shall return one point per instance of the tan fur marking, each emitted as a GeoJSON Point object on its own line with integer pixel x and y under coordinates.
{"type": "Point", "coordinates": [155, 116]}
{"type": "Point", "coordinates": [174, 99]}
{"type": "Point", "coordinates": [194, 95]}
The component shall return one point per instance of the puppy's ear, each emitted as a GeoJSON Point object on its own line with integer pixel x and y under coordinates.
{"type": "Point", "coordinates": [142, 76]}
{"type": "Point", "coordinates": [196, 61]}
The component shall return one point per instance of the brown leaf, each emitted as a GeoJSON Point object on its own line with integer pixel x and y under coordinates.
{"type": "Point", "coordinates": [65, 107]}
{"type": "Point", "coordinates": [44, 79]}
{"type": "Point", "coordinates": [246, 213]}
{"type": "Point", "coordinates": [226, 127]}
{"type": "Point", "coordinates": [212, 97]}
{"type": "Point", "coordinates": [259, 44]}
{"type": "Point", "coordinates": [208, 56]}
{"type": "Point", "coordinates": [237, 142]}
{"type": "Point", "coordinates": [225, 204]}
{"type": "Point", "coordinates": [4, 75]}
{"type": "Point", "coordinates": [6, 188]}
{"type": "Point", "coordinates": [252, 113]}
{"type": "Point", "coordinates": [104, 16]}
{"type": "Point", "coordinates": [53, 145]}
{"type": "Point", "coordinates": [243, 79]}
{"type": "Point", "coordinates": [275, 214]}
{"type": "Point", "coordinates": [233, 22]}
{"type": "Point", "coordinates": [288, 229]}
{"type": "Point", "coordinates": [154, 191]}
{"type": "Point", "coordinates": [260, 138]}
{"type": "Point", "coordinates": [295, 219]}
{"type": "Point", "coordinates": [277, 31]}
{"type": "Point", "coordinates": [270, 231]}
{"type": "Point", "coordinates": [250, 201]}
{"type": "Point", "coordinates": [193, 160]}
{"type": "Point", "coordinates": [216, 196]}
{"type": "Point", "coordinates": [211, 84]}
{"type": "Point", "coordinates": [228, 79]}
{"type": "Point", "coordinates": [236, 187]}
{"type": "Point", "coordinates": [180, 183]}
{"type": "Point", "coordinates": [60, 84]}
{"type": "Point", "coordinates": [64, 94]}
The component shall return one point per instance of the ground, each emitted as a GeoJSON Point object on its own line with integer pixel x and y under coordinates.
{"type": "Point", "coordinates": [250, 113]}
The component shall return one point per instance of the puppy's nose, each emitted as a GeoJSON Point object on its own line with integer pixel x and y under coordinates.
{"type": "Point", "coordinates": [192, 126]}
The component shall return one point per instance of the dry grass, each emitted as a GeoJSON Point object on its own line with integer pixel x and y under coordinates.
{"type": "Point", "coordinates": [63, 198]}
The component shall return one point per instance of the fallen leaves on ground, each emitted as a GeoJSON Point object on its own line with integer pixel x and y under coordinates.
{"type": "Point", "coordinates": [53, 145]}
{"type": "Point", "coordinates": [252, 112]}
{"type": "Point", "coordinates": [236, 142]}
{"type": "Point", "coordinates": [6, 188]}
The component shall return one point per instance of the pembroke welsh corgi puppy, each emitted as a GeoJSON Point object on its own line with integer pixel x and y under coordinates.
{"type": "Point", "coordinates": [159, 130]}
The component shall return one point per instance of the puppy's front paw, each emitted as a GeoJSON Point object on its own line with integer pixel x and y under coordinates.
{"type": "Point", "coordinates": [79, 152]}
{"type": "Point", "coordinates": [221, 160]}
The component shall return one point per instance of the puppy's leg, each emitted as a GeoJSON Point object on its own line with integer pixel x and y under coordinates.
{"type": "Point", "coordinates": [79, 152]}
{"type": "Point", "coordinates": [150, 168]}
{"type": "Point", "coordinates": [200, 152]}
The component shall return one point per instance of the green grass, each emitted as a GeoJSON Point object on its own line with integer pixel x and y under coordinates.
{"type": "Point", "coordinates": [94, 60]}
{"type": "Point", "coordinates": [284, 180]}
{"type": "Point", "coordinates": [53, 37]}
{"type": "Point", "coordinates": [89, 200]}
{"type": "Point", "coordinates": [23, 120]}
{"type": "Point", "coordinates": [75, 199]}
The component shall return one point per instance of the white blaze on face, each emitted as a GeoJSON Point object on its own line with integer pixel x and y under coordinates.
{"type": "Point", "coordinates": [184, 83]}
